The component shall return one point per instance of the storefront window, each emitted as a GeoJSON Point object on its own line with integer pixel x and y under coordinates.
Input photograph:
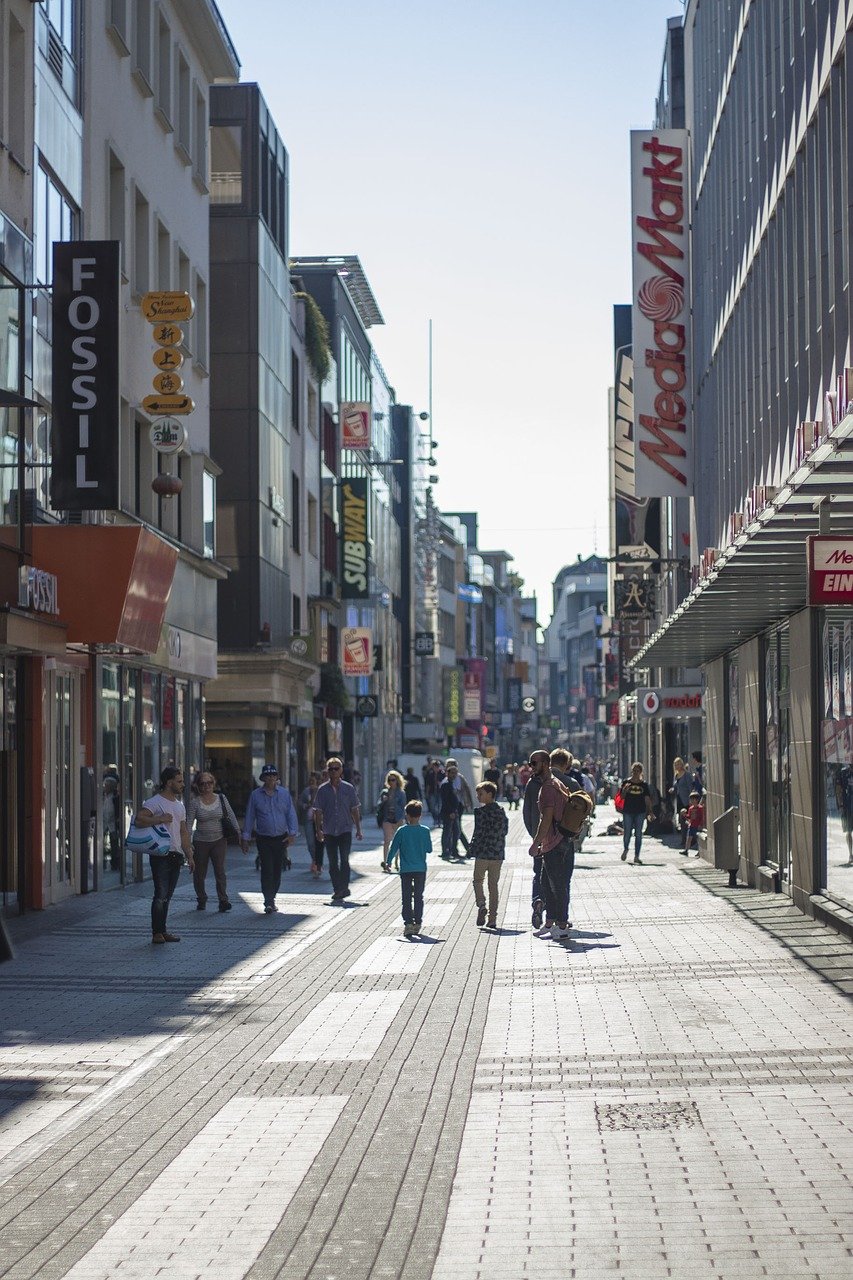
{"type": "Point", "coordinates": [111, 825]}
{"type": "Point", "coordinates": [150, 734]}
{"type": "Point", "coordinates": [777, 772]}
{"type": "Point", "coordinates": [733, 775]}
{"type": "Point", "coordinates": [167, 724]}
{"type": "Point", "coordinates": [127, 768]}
{"type": "Point", "coordinates": [836, 744]}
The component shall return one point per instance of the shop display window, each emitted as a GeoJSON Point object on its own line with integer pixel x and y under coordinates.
{"type": "Point", "coordinates": [777, 765]}
{"type": "Point", "coordinates": [836, 752]}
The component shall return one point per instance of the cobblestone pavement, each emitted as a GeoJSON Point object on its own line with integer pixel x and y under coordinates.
{"type": "Point", "coordinates": [309, 1095]}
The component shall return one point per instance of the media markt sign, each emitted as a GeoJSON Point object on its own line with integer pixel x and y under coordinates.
{"type": "Point", "coordinates": [830, 570]}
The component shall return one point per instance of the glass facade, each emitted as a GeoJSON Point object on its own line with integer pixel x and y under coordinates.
{"type": "Point", "coordinates": [836, 752]}
{"type": "Point", "coordinates": [9, 766]}
{"type": "Point", "coordinates": [777, 764]}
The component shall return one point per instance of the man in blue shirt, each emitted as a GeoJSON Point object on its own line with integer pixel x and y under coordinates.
{"type": "Point", "coordinates": [336, 810]}
{"type": "Point", "coordinates": [271, 815]}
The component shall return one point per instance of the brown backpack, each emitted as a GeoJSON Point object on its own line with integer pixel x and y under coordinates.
{"type": "Point", "coordinates": [576, 810]}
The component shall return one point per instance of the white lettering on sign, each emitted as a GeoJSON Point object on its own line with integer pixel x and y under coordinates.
{"type": "Point", "coordinates": [838, 582]}
{"type": "Point", "coordinates": [83, 314]}
{"type": "Point", "coordinates": [38, 590]}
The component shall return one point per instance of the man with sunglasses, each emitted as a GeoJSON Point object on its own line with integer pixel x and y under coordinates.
{"type": "Point", "coordinates": [336, 811]}
{"type": "Point", "coordinates": [271, 815]}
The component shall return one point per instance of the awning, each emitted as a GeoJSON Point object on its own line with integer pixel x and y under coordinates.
{"type": "Point", "coordinates": [31, 633]}
{"type": "Point", "coordinates": [762, 576]}
{"type": "Point", "coordinates": [114, 581]}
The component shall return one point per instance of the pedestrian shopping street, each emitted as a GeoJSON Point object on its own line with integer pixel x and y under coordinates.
{"type": "Point", "coordinates": [309, 1095]}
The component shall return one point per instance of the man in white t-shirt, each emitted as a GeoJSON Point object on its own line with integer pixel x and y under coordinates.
{"type": "Point", "coordinates": [166, 808]}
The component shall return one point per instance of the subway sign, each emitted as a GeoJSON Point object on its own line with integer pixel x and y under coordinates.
{"type": "Point", "coordinates": [830, 562]}
{"type": "Point", "coordinates": [85, 365]}
{"type": "Point", "coordinates": [355, 572]}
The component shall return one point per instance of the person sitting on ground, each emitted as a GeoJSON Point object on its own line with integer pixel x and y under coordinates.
{"type": "Point", "coordinates": [695, 821]}
{"type": "Point", "coordinates": [488, 849]}
{"type": "Point", "coordinates": [411, 844]}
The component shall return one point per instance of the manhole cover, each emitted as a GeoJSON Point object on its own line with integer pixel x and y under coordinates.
{"type": "Point", "coordinates": [647, 1115]}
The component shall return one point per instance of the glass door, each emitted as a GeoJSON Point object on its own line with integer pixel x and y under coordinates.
{"type": "Point", "coordinates": [777, 772]}
{"type": "Point", "coordinates": [60, 723]}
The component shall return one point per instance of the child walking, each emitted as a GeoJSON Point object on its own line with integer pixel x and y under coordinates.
{"type": "Point", "coordinates": [695, 821]}
{"type": "Point", "coordinates": [411, 844]}
{"type": "Point", "coordinates": [488, 849]}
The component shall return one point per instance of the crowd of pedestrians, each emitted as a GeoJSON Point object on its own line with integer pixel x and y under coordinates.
{"type": "Point", "coordinates": [557, 793]}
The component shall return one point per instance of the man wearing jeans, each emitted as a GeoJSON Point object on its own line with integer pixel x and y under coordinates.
{"type": "Point", "coordinates": [553, 847]}
{"type": "Point", "coordinates": [271, 815]}
{"type": "Point", "coordinates": [336, 811]}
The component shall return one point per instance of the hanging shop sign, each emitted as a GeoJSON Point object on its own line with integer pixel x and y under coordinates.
{"type": "Point", "coordinates": [669, 703]}
{"type": "Point", "coordinates": [830, 563]}
{"type": "Point", "coordinates": [85, 365]}
{"type": "Point", "coordinates": [355, 424]}
{"type": "Point", "coordinates": [167, 435]}
{"type": "Point", "coordinates": [660, 315]}
{"type": "Point", "coordinates": [513, 694]}
{"type": "Point", "coordinates": [425, 644]}
{"type": "Point", "coordinates": [355, 577]}
{"type": "Point", "coordinates": [357, 646]}
{"type": "Point", "coordinates": [164, 306]}
{"type": "Point", "coordinates": [472, 706]}
{"type": "Point", "coordinates": [367, 706]}
{"type": "Point", "coordinates": [451, 680]}
{"type": "Point", "coordinates": [634, 595]}
{"type": "Point", "coordinates": [469, 592]}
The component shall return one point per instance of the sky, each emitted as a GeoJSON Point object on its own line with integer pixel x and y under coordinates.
{"type": "Point", "coordinates": [474, 154]}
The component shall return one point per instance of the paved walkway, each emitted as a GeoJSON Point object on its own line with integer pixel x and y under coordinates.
{"type": "Point", "coordinates": [309, 1095]}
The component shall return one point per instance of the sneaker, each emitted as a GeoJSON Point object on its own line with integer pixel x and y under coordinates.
{"type": "Point", "coordinates": [624, 854]}
{"type": "Point", "coordinates": [170, 937]}
{"type": "Point", "coordinates": [544, 932]}
{"type": "Point", "coordinates": [201, 906]}
{"type": "Point", "coordinates": [268, 910]}
{"type": "Point", "coordinates": [559, 933]}
{"type": "Point", "coordinates": [481, 917]}
{"type": "Point", "coordinates": [157, 937]}
{"type": "Point", "coordinates": [408, 930]}
{"type": "Point", "coordinates": [536, 917]}
{"type": "Point", "coordinates": [492, 923]}
{"type": "Point", "coordinates": [225, 906]}
{"type": "Point", "coordinates": [416, 929]}
{"type": "Point", "coordinates": [346, 894]}
{"type": "Point", "coordinates": [337, 897]}
{"type": "Point", "coordinates": [637, 862]}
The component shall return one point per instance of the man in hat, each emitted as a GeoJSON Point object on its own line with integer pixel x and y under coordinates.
{"type": "Point", "coordinates": [271, 816]}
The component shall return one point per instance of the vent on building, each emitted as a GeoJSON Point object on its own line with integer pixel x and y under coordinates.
{"type": "Point", "coordinates": [54, 53]}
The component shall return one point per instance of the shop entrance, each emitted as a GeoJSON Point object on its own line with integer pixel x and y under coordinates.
{"type": "Point", "coordinates": [777, 769]}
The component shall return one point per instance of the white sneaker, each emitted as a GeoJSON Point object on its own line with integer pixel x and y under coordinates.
{"type": "Point", "coordinates": [558, 933]}
{"type": "Point", "coordinates": [544, 932]}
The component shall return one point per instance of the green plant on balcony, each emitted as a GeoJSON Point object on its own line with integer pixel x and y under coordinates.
{"type": "Point", "coordinates": [317, 346]}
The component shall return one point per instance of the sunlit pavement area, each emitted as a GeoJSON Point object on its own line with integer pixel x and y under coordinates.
{"type": "Point", "coordinates": [308, 1094]}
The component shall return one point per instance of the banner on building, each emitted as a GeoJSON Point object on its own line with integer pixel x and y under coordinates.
{"type": "Point", "coordinates": [357, 649]}
{"type": "Point", "coordinates": [85, 365]}
{"type": "Point", "coordinates": [355, 574]}
{"type": "Point", "coordinates": [355, 424]}
{"type": "Point", "coordinates": [451, 682]}
{"type": "Point", "coordinates": [663, 464]}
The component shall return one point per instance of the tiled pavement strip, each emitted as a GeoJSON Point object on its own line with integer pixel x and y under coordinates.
{"type": "Point", "coordinates": [669, 1095]}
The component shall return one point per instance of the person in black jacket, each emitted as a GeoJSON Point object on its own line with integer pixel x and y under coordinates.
{"type": "Point", "coordinates": [452, 808]}
{"type": "Point", "coordinates": [488, 849]}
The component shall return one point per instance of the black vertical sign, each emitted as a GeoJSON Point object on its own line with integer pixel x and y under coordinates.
{"type": "Point", "coordinates": [85, 398]}
{"type": "Point", "coordinates": [355, 575]}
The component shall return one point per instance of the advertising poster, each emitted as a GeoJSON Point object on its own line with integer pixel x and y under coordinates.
{"type": "Point", "coordinates": [355, 424]}
{"type": "Point", "coordinates": [357, 649]}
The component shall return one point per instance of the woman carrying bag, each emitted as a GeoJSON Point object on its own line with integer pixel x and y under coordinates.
{"type": "Point", "coordinates": [214, 821]}
{"type": "Point", "coordinates": [392, 807]}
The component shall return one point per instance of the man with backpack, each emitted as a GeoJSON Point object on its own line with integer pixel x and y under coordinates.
{"type": "Point", "coordinates": [553, 846]}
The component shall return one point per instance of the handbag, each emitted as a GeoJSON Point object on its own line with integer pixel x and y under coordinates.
{"type": "Point", "coordinates": [231, 832]}
{"type": "Point", "coordinates": [152, 840]}
{"type": "Point", "coordinates": [619, 801]}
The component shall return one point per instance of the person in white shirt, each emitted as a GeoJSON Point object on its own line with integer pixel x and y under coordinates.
{"type": "Point", "coordinates": [166, 808]}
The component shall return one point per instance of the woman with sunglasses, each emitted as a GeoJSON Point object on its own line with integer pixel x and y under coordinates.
{"type": "Point", "coordinates": [214, 820]}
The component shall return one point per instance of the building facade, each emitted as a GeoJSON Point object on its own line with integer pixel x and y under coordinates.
{"type": "Point", "coordinates": [768, 109]}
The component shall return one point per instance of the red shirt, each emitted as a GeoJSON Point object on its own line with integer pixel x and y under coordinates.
{"type": "Point", "coordinates": [696, 816]}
